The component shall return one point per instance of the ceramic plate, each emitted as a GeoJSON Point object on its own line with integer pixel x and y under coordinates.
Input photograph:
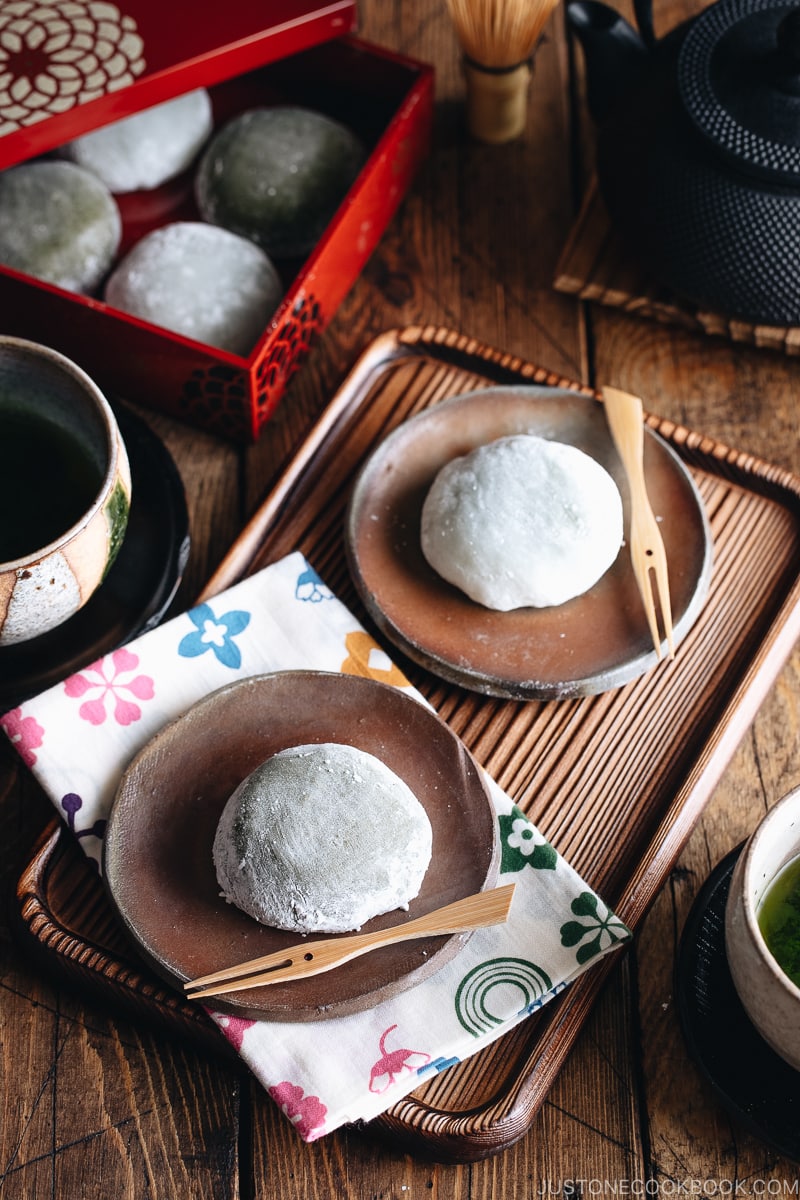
{"type": "Point", "coordinates": [158, 864]}
{"type": "Point", "coordinates": [597, 641]}
{"type": "Point", "coordinates": [138, 589]}
{"type": "Point", "coordinates": [753, 1083]}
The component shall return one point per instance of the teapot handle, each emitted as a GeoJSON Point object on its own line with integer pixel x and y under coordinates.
{"type": "Point", "coordinates": [644, 21]}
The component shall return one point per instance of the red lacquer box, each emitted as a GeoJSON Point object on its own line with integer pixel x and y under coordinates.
{"type": "Point", "coordinates": [121, 59]}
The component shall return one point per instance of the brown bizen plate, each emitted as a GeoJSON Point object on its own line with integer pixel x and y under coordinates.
{"type": "Point", "coordinates": [595, 642]}
{"type": "Point", "coordinates": [157, 853]}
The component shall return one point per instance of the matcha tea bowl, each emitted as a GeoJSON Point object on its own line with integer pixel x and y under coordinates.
{"type": "Point", "coordinates": [65, 489]}
{"type": "Point", "coordinates": [762, 928]}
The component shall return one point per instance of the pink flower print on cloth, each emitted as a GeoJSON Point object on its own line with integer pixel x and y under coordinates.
{"type": "Point", "coordinates": [307, 1113]}
{"type": "Point", "coordinates": [234, 1028]}
{"type": "Point", "coordinates": [106, 681]}
{"type": "Point", "coordinates": [25, 734]}
{"type": "Point", "coordinates": [394, 1064]}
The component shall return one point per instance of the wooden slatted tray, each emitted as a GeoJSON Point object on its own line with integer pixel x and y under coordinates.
{"type": "Point", "coordinates": [596, 265]}
{"type": "Point", "coordinates": [616, 781]}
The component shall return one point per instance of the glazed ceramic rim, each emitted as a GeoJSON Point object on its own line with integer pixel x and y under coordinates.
{"type": "Point", "coordinates": [750, 882]}
{"type": "Point", "coordinates": [36, 350]}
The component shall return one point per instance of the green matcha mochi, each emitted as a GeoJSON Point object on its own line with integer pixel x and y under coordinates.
{"type": "Point", "coordinates": [276, 176]}
{"type": "Point", "coordinates": [58, 223]}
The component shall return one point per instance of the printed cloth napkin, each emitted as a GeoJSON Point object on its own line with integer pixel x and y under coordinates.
{"type": "Point", "coordinates": [78, 737]}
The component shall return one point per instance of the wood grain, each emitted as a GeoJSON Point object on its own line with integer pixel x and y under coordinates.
{"type": "Point", "coordinates": [94, 1106]}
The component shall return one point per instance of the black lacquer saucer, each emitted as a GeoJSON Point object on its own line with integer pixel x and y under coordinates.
{"type": "Point", "coordinates": [751, 1081]}
{"type": "Point", "coordinates": [139, 587]}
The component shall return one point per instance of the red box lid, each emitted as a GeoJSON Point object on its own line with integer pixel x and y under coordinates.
{"type": "Point", "coordinates": [68, 66]}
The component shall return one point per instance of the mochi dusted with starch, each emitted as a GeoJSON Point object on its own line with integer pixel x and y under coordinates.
{"type": "Point", "coordinates": [58, 223]}
{"type": "Point", "coordinates": [276, 176]}
{"type": "Point", "coordinates": [148, 148]}
{"type": "Point", "coordinates": [199, 281]}
{"type": "Point", "coordinates": [522, 521]}
{"type": "Point", "coordinates": [321, 838]}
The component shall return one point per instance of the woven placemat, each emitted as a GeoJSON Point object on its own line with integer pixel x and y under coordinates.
{"type": "Point", "coordinates": [596, 265]}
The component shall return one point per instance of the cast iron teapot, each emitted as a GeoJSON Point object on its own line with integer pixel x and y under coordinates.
{"type": "Point", "coordinates": [698, 148]}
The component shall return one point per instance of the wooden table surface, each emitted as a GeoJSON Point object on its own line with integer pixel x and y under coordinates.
{"type": "Point", "coordinates": [92, 1106]}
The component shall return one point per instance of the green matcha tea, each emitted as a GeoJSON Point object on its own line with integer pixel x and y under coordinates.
{"type": "Point", "coordinates": [779, 919]}
{"type": "Point", "coordinates": [47, 481]}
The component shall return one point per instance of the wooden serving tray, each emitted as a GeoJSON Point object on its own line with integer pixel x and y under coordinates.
{"type": "Point", "coordinates": [616, 781]}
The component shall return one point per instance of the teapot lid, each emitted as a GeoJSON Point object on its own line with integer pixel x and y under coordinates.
{"type": "Point", "coordinates": [739, 81]}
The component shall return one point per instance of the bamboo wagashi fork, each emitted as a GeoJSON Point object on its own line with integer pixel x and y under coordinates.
{"type": "Point", "coordinates": [311, 958]}
{"type": "Point", "coordinates": [625, 418]}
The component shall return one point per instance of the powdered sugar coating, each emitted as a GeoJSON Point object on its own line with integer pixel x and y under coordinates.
{"type": "Point", "coordinates": [58, 223]}
{"type": "Point", "coordinates": [522, 521]}
{"type": "Point", "coordinates": [321, 838]}
{"type": "Point", "coordinates": [200, 281]}
{"type": "Point", "coordinates": [148, 148]}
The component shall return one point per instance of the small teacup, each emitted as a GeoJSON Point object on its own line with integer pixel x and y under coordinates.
{"type": "Point", "coordinates": [65, 489]}
{"type": "Point", "coordinates": [770, 998]}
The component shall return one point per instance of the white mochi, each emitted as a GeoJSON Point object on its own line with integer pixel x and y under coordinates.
{"type": "Point", "coordinates": [200, 281]}
{"type": "Point", "coordinates": [58, 223]}
{"type": "Point", "coordinates": [522, 521]}
{"type": "Point", "coordinates": [321, 838]}
{"type": "Point", "coordinates": [148, 148]}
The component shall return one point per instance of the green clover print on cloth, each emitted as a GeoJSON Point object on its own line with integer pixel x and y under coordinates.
{"type": "Point", "coordinates": [519, 845]}
{"type": "Point", "coordinates": [601, 926]}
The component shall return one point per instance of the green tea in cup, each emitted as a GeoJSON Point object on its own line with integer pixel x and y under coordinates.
{"type": "Point", "coordinates": [44, 500]}
{"type": "Point", "coordinates": [779, 919]}
{"type": "Point", "coordinates": [762, 927]}
{"type": "Point", "coordinates": [65, 489]}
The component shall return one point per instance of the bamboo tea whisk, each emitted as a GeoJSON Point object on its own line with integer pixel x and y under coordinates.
{"type": "Point", "coordinates": [498, 38]}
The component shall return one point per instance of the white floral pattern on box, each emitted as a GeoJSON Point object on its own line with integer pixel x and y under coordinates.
{"type": "Point", "coordinates": [79, 735]}
{"type": "Point", "coordinates": [56, 55]}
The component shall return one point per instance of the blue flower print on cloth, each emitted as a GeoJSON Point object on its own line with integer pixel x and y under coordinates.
{"type": "Point", "coordinates": [216, 634]}
{"type": "Point", "coordinates": [310, 587]}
